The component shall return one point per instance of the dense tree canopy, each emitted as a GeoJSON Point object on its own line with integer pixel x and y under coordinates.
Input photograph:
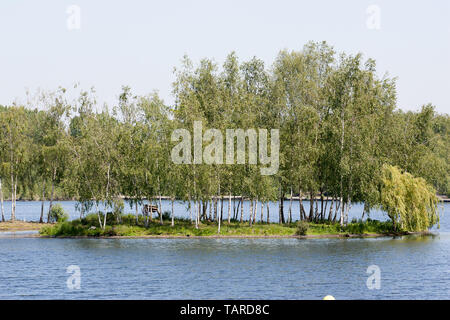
{"type": "Point", "coordinates": [338, 128]}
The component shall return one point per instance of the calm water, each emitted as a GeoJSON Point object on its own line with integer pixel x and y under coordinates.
{"type": "Point", "coordinates": [411, 267]}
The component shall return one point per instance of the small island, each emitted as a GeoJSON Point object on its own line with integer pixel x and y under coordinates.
{"type": "Point", "coordinates": [88, 227]}
{"type": "Point", "coordinates": [316, 126]}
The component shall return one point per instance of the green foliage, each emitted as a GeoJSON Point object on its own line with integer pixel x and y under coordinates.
{"type": "Point", "coordinates": [90, 227]}
{"type": "Point", "coordinates": [338, 127]}
{"type": "Point", "coordinates": [302, 228]}
{"type": "Point", "coordinates": [57, 214]}
{"type": "Point", "coordinates": [410, 202]}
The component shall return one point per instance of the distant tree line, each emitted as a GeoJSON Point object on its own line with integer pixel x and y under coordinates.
{"type": "Point", "coordinates": [338, 124]}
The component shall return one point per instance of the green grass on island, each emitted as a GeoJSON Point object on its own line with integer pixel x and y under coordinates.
{"type": "Point", "coordinates": [89, 226]}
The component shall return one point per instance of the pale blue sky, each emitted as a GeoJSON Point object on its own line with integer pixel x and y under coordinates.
{"type": "Point", "coordinates": [137, 43]}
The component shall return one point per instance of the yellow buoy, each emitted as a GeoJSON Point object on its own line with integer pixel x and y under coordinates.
{"type": "Point", "coordinates": [328, 298]}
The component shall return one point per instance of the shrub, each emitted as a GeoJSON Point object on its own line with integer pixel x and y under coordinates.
{"type": "Point", "coordinates": [57, 213]}
{"type": "Point", "coordinates": [302, 228]}
{"type": "Point", "coordinates": [410, 202]}
{"type": "Point", "coordinates": [166, 215]}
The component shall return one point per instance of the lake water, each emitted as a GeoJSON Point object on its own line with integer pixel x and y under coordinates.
{"type": "Point", "coordinates": [410, 267]}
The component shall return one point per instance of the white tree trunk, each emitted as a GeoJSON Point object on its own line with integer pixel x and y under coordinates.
{"type": "Point", "coordinates": [15, 199]}
{"type": "Point", "coordinates": [229, 208]}
{"type": "Point", "coordinates": [104, 218]}
{"type": "Point", "coordinates": [250, 214]}
{"type": "Point", "coordinates": [342, 151]}
{"type": "Point", "coordinates": [290, 208]}
{"type": "Point", "coordinates": [256, 210]}
{"type": "Point", "coordinates": [196, 213]}
{"type": "Point", "coordinates": [190, 209]}
{"type": "Point", "coordinates": [220, 215]}
{"type": "Point", "coordinates": [242, 209]}
{"type": "Point", "coordinates": [347, 209]}
{"type": "Point", "coordinates": [173, 222]}
{"type": "Point", "coordinates": [13, 213]}
{"type": "Point", "coordinates": [137, 212]}
{"type": "Point", "coordinates": [160, 209]}
{"type": "Point", "coordinates": [98, 214]}
{"type": "Point", "coordinates": [1, 199]}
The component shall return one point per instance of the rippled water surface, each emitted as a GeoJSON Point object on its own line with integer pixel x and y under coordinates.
{"type": "Point", "coordinates": [411, 267]}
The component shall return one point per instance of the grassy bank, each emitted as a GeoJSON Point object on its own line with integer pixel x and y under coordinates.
{"type": "Point", "coordinates": [128, 227]}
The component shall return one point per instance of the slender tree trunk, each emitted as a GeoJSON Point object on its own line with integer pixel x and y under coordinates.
{"type": "Point", "coordinates": [136, 211]}
{"type": "Point", "coordinates": [98, 214]}
{"type": "Point", "coordinates": [301, 210]}
{"type": "Point", "coordinates": [242, 209]}
{"type": "Point", "coordinates": [160, 209]}
{"type": "Point", "coordinates": [221, 206]}
{"type": "Point", "coordinates": [262, 212]}
{"type": "Point", "coordinates": [1, 200]}
{"type": "Point", "coordinates": [220, 213]}
{"type": "Point", "coordinates": [235, 208]}
{"type": "Point", "coordinates": [341, 180]}
{"type": "Point", "coordinates": [364, 211]}
{"type": "Point", "coordinates": [331, 209]}
{"type": "Point", "coordinates": [255, 209]}
{"type": "Point", "coordinates": [204, 208]}
{"type": "Point", "coordinates": [347, 209]}
{"type": "Point", "coordinates": [281, 207]}
{"type": "Point", "coordinates": [316, 209]}
{"type": "Point", "coordinates": [215, 208]}
{"type": "Point", "coordinates": [52, 194]}
{"type": "Point", "coordinates": [190, 208]}
{"type": "Point", "coordinates": [311, 206]}
{"type": "Point", "coordinates": [338, 205]}
{"type": "Point", "coordinates": [229, 208]}
{"type": "Point", "coordinates": [13, 212]}
{"type": "Point", "coordinates": [15, 197]}
{"type": "Point", "coordinates": [196, 213]}
{"type": "Point", "coordinates": [147, 213]}
{"type": "Point", "coordinates": [160, 202]}
{"type": "Point", "coordinates": [321, 205]}
{"type": "Point", "coordinates": [220, 220]}
{"type": "Point", "coordinates": [41, 219]}
{"type": "Point", "coordinates": [250, 216]}
{"type": "Point", "coordinates": [268, 213]}
{"type": "Point", "coordinates": [210, 208]}
{"type": "Point", "coordinates": [104, 217]}
{"type": "Point", "coordinates": [173, 219]}
{"type": "Point", "coordinates": [290, 208]}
